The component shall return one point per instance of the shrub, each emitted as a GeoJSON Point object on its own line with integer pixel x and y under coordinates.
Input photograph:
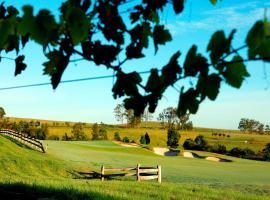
{"type": "Point", "coordinates": [189, 144]}
{"type": "Point", "coordinates": [236, 152]}
{"type": "Point", "coordinates": [243, 153]}
{"type": "Point", "coordinates": [117, 136]}
{"type": "Point", "coordinates": [126, 139]}
{"type": "Point", "coordinates": [201, 143]}
{"type": "Point", "coordinates": [142, 140]}
{"type": "Point", "coordinates": [173, 138]}
{"type": "Point", "coordinates": [218, 149]}
{"type": "Point", "coordinates": [267, 148]}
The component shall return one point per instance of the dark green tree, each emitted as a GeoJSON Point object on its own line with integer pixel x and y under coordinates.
{"type": "Point", "coordinates": [173, 137]}
{"type": "Point", "coordinates": [96, 32]}
{"type": "Point", "coordinates": [117, 136]}
{"type": "Point", "coordinates": [142, 139]}
{"type": "Point", "coordinates": [147, 138]}
{"type": "Point", "coordinates": [126, 139]}
{"type": "Point", "coordinates": [201, 142]}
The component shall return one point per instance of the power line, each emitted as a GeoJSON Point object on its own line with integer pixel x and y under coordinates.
{"type": "Point", "coordinates": [64, 81]}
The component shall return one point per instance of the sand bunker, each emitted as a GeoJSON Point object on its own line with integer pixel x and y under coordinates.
{"type": "Point", "coordinates": [127, 144]}
{"type": "Point", "coordinates": [190, 155]}
{"type": "Point", "coordinates": [165, 151]}
{"type": "Point", "coordinates": [217, 159]}
{"type": "Point", "coordinates": [211, 158]}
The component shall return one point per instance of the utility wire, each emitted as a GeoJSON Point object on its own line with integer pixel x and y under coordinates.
{"type": "Point", "coordinates": [64, 81]}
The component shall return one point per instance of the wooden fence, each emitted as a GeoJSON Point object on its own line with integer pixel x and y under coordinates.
{"type": "Point", "coordinates": [141, 173]}
{"type": "Point", "coordinates": [23, 138]}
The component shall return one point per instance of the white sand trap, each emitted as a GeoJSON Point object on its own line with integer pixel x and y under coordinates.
{"type": "Point", "coordinates": [165, 151]}
{"type": "Point", "coordinates": [216, 159]}
{"type": "Point", "coordinates": [213, 158]}
{"type": "Point", "coordinates": [127, 144]}
{"type": "Point", "coordinates": [190, 155]}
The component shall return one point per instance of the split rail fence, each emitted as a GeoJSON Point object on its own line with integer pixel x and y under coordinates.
{"type": "Point", "coordinates": [23, 138]}
{"type": "Point", "coordinates": [141, 173]}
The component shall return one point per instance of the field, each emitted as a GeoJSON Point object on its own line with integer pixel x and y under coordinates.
{"type": "Point", "coordinates": [56, 174]}
{"type": "Point", "coordinates": [158, 134]}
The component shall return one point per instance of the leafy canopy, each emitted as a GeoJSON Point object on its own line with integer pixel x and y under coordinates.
{"type": "Point", "coordinates": [97, 32]}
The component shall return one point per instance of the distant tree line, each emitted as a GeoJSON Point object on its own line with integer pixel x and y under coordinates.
{"type": "Point", "coordinates": [127, 115]}
{"type": "Point", "coordinates": [201, 144]}
{"type": "Point", "coordinates": [169, 118]}
{"type": "Point", "coordinates": [33, 128]}
{"type": "Point", "coordinates": [78, 133]}
{"type": "Point", "coordinates": [253, 126]}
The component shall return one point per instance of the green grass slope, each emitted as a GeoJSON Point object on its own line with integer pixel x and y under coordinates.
{"type": "Point", "coordinates": [28, 174]}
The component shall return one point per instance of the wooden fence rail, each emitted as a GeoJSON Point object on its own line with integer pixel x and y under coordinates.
{"type": "Point", "coordinates": [23, 138]}
{"type": "Point", "coordinates": [141, 173]}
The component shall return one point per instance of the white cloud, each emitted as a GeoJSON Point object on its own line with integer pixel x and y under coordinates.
{"type": "Point", "coordinates": [240, 17]}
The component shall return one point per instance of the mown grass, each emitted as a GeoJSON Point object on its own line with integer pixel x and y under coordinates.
{"type": "Point", "coordinates": [55, 174]}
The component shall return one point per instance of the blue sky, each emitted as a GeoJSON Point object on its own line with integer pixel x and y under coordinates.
{"type": "Point", "coordinates": [92, 101]}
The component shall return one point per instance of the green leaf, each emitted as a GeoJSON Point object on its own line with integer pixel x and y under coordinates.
{"type": "Point", "coordinates": [219, 45]}
{"type": "Point", "coordinates": [171, 71]}
{"type": "Point", "coordinates": [56, 66]}
{"type": "Point", "coordinates": [209, 86]}
{"type": "Point", "coordinates": [12, 11]}
{"type": "Point", "coordinates": [153, 83]}
{"type": "Point", "coordinates": [134, 50]}
{"type": "Point", "coordinates": [255, 38]}
{"type": "Point", "coordinates": [27, 22]}
{"type": "Point", "coordinates": [258, 41]}
{"type": "Point", "coordinates": [2, 10]}
{"type": "Point", "coordinates": [136, 103]}
{"type": "Point", "coordinates": [45, 29]}
{"type": "Point", "coordinates": [161, 36]}
{"type": "Point", "coordinates": [267, 28]}
{"type": "Point", "coordinates": [42, 28]}
{"type": "Point", "coordinates": [195, 63]}
{"type": "Point", "coordinates": [178, 6]}
{"type": "Point", "coordinates": [126, 84]}
{"type": "Point", "coordinates": [78, 24]}
{"type": "Point", "coordinates": [188, 102]}
{"type": "Point", "coordinates": [7, 28]}
{"type": "Point", "coordinates": [140, 34]}
{"type": "Point", "coordinates": [213, 2]}
{"type": "Point", "coordinates": [20, 66]}
{"type": "Point", "coordinates": [104, 54]}
{"type": "Point", "coordinates": [235, 72]}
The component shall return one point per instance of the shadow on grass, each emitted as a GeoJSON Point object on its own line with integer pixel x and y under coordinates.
{"type": "Point", "coordinates": [97, 176]}
{"type": "Point", "coordinates": [17, 142]}
{"type": "Point", "coordinates": [21, 191]}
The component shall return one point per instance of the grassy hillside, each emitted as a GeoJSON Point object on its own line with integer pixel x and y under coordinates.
{"type": "Point", "coordinates": [32, 174]}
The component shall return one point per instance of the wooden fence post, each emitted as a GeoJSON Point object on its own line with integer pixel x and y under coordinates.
{"type": "Point", "coordinates": [159, 173]}
{"type": "Point", "coordinates": [102, 172]}
{"type": "Point", "coordinates": [138, 172]}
